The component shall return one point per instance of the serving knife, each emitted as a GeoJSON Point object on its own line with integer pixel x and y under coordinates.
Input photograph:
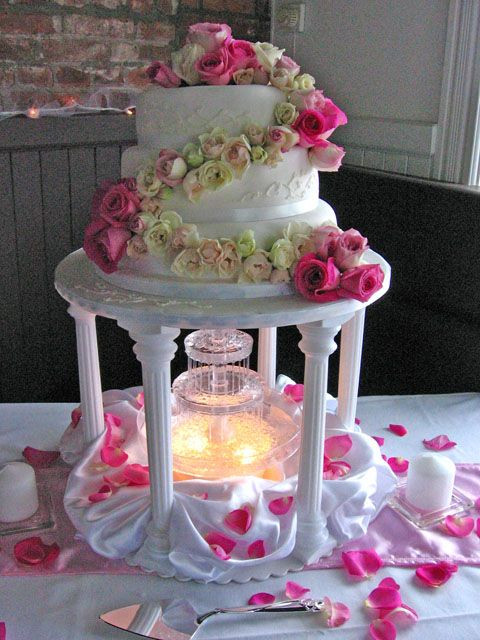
{"type": "Point", "coordinates": [181, 620]}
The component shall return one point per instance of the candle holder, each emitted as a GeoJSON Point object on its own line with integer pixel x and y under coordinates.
{"type": "Point", "coordinates": [423, 518]}
{"type": "Point", "coordinates": [42, 519]}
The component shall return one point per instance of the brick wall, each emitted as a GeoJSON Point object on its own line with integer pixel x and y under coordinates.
{"type": "Point", "coordinates": [59, 49]}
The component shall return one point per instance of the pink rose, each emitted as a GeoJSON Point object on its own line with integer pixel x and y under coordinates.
{"type": "Point", "coordinates": [349, 249]}
{"type": "Point", "coordinates": [209, 35]}
{"type": "Point", "coordinates": [314, 99]}
{"type": "Point", "coordinates": [105, 245]}
{"type": "Point", "coordinates": [311, 127]}
{"type": "Point", "coordinates": [261, 76]}
{"type": "Point", "coordinates": [361, 282]}
{"type": "Point", "coordinates": [325, 240]}
{"type": "Point", "coordinates": [137, 225]}
{"type": "Point", "coordinates": [326, 156]}
{"type": "Point", "coordinates": [290, 65]}
{"type": "Point", "coordinates": [214, 67]}
{"type": "Point", "coordinates": [241, 55]}
{"type": "Point", "coordinates": [170, 167]}
{"type": "Point", "coordinates": [317, 280]}
{"type": "Point", "coordinates": [116, 205]}
{"type": "Point", "coordinates": [163, 75]}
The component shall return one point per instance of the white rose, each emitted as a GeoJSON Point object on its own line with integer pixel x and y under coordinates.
{"type": "Point", "coordinates": [229, 261]}
{"type": "Point", "coordinates": [183, 62]}
{"type": "Point", "coordinates": [257, 267]}
{"type": "Point", "coordinates": [282, 254]}
{"type": "Point", "coordinates": [192, 186]}
{"type": "Point", "coordinates": [279, 275]}
{"type": "Point", "coordinates": [237, 154]}
{"type": "Point", "coordinates": [188, 263]}
{"type": "Point", "coordinates": [267, 55]}
{"type": "Point", "coordinates": [305, 82]}
{"type": "Point", "coordinates": [297, 228]}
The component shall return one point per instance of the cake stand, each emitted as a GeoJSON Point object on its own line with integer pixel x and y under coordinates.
{"type": "Point", "coordinates": [154, 322]}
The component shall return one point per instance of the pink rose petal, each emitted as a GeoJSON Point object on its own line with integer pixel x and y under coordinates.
{"type": "Point", "coordinates": [379, 440]}
{"type": "Point", "coordinates": [477, 527]}
{"type": "Point", "coordinates": [337, 446]}
{"type": "Point", "coordinates": [3, 631]}
{"type": "Point", "coordinates": [439, 443]}
{"type": "Point", "coordinates": [261, 598]}
{"type": "Point", "coordinates": [113, 456]}
{"type": "Point", "coordinates": [336, 613]}
{"type": "Point", "coordinates": [382, 629]}
{"type": "Point", "coordinates": [295, 591]}
{"type": "Point", "coordinates": [256, 549]}
{"type": "Point", "coordinates": [384, 457]}
{"type": "Point", "coordinates": [75, 417]}
{"type": "Point", "coordinates": [219, 552]}
{"type": "Point", "coordinates": [335, 469]}
{"type": "Point", "coordinates": [389, 582]}
{"type": "Point", "coordinates": [239, 520]}
{"type": "Point", "coordinates": [384, 598]}
{"type": "Point", "coordinates": [435, 574]}
{"type": "Point", "coordinates": [357, 421]}
{"type": "Point", "coordinates": [33, 551]}
{"type": "Point", "coordinates": [201, 496]}
{"type": "Point", "coordinates": [112, 420]}
{"type": "Point", "coordinates": [477, 504]}
{"type": "Point", "coordinates": [294, 391]}
{"type": "Point", "coordinates": [398, 464]}
{"type": "Point", "coordinates": [216, 538]}
{"type": "Point", "coordinates": [458, 526]}
{"type": "Point", "coordinates": [116, 480]}
{"type": "Point", "coordinates": [38, 458]}
{"type": "Point", "coordinates": [280, 506]}
{"type": "Point", "coordinates": [140, 399]}
{"type": "Point", "coordinates": [398, 429]}
{"type": "Point", "coordinates": [102, 494]}
{"type": "Point", "coordinates": [362, 563]}
{"type": "Point", "coordinates": [402, 615]}
{"type": "Point", "coordinates": [137, 474]}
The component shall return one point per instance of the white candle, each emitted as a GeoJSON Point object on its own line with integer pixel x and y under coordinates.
{"type": "Point", "coordinates": [430, 482]}
{"type": "Point", "coordinates": [18, 492]}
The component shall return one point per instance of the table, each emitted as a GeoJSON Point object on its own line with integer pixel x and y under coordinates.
{"type": "Point", "coordinates": [60, 607]}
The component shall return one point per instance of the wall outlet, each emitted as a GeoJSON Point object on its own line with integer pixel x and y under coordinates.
{"type": "Point", "coordinates": [290, 17]}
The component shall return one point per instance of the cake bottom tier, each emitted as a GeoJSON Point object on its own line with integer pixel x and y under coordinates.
{"type": "Point", "coordinates": [156, 275]}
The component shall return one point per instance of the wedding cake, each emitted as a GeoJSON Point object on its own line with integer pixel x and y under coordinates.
{"type": "Point", "coordinates": [219, 199]}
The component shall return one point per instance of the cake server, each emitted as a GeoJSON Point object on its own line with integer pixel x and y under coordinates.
{"type": "Point", "coordinates": [180, 620]}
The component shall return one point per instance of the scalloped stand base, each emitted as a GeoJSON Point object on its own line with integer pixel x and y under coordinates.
{"type": "Point", "coordinates": [161, 566]}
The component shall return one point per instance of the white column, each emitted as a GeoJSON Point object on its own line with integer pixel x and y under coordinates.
{"type": "Point", "coordinates": [317, 344]}
{"type": "Point", "coordinates": [155, 348]}
{"type": "Point", "coordinates": [88, 373]}
{"type": "Point", "coordinates": [267, 355]}
{"type": "Point", "coordinates": [349, 374]}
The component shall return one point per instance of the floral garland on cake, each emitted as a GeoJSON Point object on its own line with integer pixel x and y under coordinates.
{"type": "Point", "coordinates": [129, 216]}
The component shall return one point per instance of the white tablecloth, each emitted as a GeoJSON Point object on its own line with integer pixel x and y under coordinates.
{"type": "Point", "coordinates": [67, 607]}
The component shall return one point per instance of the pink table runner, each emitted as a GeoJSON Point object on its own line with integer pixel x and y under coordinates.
{"type": "Point", "coordinates": [396, 540]}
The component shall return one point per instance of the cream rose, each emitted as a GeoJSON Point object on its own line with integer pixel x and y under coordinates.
{"type": "Point", "coordinates": [172, 218]}
{"type": "Point", "coordinates": [282, 254]}
{"type": "Point", "coordinates": [255, 133]}
{"type": "Point", "coordinates": [188, 263]}
{"type": "Point", "coordinates": [282, 79]}
{"type": "Point", "coordinates": [185, 235]}
{"type": "Point", "coordinates": [156, 204]}
{"type": "Point", "coordinates": [259, 155]}
{"type": "Point", "coordinates": [213, 143]}
{"type": "Point", "coordinates": [267, 55]}
{"type": "Point", "coordinates": [148, 184]}
{"type": "Point", "coordinates": [236, 153]}
{"type": "Point", "coordinates": [243, 76]}
{"type": "Point", "coordinates": [215, 174]}
{"type": "Point", "coordinates": [156, 237]}
{"type": "Point", "coordinates": [183, 62]}
{"type": "Point", "coordinates": [210, 251]}
{"type": "Point", "coordinates": [302, 244]}
{"type": "Point", "coordinates": [279, 275]}
{"type": "Point", "coordinates": [296, 228]}
{"type": "Point", "coordinates": [229, 261]}
{"type": "Point", "coordinates": [274, 155]}
{"type": "Point", "coordinates": [305, 82]}
{"type": "Point", "coordinates": [192, 186]}
{"type": "Point", "coordinates": [257, 267]}
{"type": "Point", "coordinates": [193, 155]}
{"type": "Point", "coordinates": [282, 137]}
{"type": "Point", "coordinates": [136, 248]}
{"type": "Point", "coordinates": [246, 243]}
{"type": "Point", "coordinates": [285, 113]}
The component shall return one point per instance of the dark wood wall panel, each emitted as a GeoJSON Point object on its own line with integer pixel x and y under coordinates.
{"type": "Point", "coordinates": [10, 307]}
{"type": "Point", "coordinates": [82, 185]}
{"type": "Point", "coordinates": [107, 163]}
{"type": "Point", "coordinates": [32, 273]}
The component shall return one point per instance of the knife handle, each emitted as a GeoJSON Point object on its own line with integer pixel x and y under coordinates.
{"type": "Point", "coordinates": [308, 605]}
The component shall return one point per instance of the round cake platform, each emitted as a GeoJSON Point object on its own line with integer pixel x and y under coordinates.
{"type": "Point", "coordinates": [77, 280]}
